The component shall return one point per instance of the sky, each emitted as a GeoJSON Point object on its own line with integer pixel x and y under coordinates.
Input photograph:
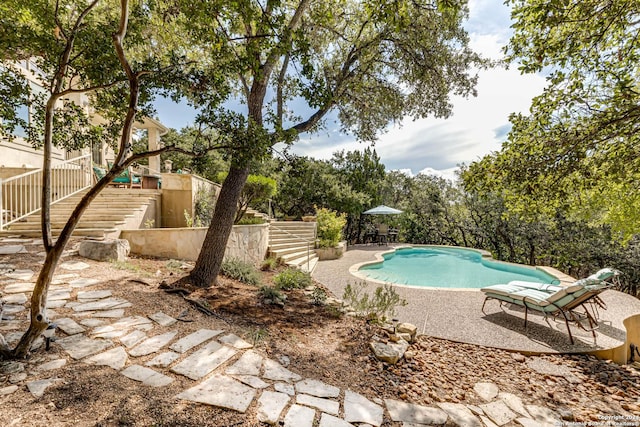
{"type": "Point", "coordinates": [477, 126]}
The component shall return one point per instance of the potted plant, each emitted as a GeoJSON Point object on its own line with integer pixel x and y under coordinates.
{"type": "Point", "coordinates": [330, 226]}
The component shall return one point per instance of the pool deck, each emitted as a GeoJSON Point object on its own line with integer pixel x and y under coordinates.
{"type": "Point", "coordinates": [456, 314]}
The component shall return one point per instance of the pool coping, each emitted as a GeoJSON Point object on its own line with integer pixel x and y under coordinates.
{"type": "Point", "coordinates": [354, 270]}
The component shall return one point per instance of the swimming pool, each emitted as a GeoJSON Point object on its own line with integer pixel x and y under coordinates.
{"type": "Point", "coordinates": [448, 267]}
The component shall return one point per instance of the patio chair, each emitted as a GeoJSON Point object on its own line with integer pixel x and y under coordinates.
{"type": "Point", "coordinates": [125, 179]}
{"type": "Point", "coordinates": [555, 300]}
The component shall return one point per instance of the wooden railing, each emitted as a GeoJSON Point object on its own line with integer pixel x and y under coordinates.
{"type": "Point", "coordinates": [20, 195]}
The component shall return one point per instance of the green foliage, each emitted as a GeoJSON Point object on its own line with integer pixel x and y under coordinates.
{"type": "Point", "coordinates": [319, 296]}
{"type": "Point", "coordinates": [292, 278]}
{"type": "Point", "coordinates": [257, 189]}
{"type": "Point", "coordinates": [269, 264]}
{"type": "Point", "coordinates": [330, 226]}
{"type": "Point", "coordinates": [272, 295]}
{"type": "Point", "coordinates": [378, 307]}
{"type": "Point", "coordinates": [250, 221]}
{"type": "Point", "coordinates": [242, 271]}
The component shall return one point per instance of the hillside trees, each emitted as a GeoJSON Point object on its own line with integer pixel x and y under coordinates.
{"type": "Point", "coordinates": [293, 62]}
{"type": "Point", "coordinates": [578, 149]}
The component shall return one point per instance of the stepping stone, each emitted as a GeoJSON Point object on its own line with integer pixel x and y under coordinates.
{"type": "Point", "coordinates": [163, 359]}
{"type": "Point", "coordinates": [270, 406]}
{"type": "Point", "coordinates": [221, 391]}
{"type": "Point", "coordinates": [327, 420]}
{"type": "Point", "coordinates": [19, 298]}
{"type": "Point", "coordinates": [417, 414]}
{"type": "Point", "coordinates": [20, 274]}
{"type": "Point", "coordinates": [37, 388]}
{"type": "Point", "coordinates": [92, 323]}
{"type": "Point", "coordinates": [317, 388]}
{"type": "Point", "coordinates": [131, 322]}
{"type": "Point", "coordinates": [198, 337]}
{"type": "Point", "coordinates": [133, 338]}
{"type": "Point", "coordinates": [162, 319]}
{"type": "Point", "coordinates": [54, 364]}
{"type": "Point", "coordinates": [63, 277]}
{"type": "Point", "coordinates": [486, 391]}
{"type": "Point", "coordinates": [56, 303]}
{"type": "Point", "coordinates": [498, 412]}
{"type": "Point", "coordinates": [115, 358]}
{"type": "Point", "coordinates": [8, 390]}
{"type": "Point", "coordinates": [11, 367]}
{"type": "Point", "coordinates": [12, 309]}
{"type": "Point", "coordinates": [358, 408]}
{"type": "Point", "coordinates": [83, 283]}
{"type": "Point", "coordinates": [13, 249]}
{"type": "Point", "coordinates": [299, 416]}
{"type": "Point", "coordinates": [514, 403]}
{"type": "Point", "coordinates": [248, 364]}
{"type": "Point", "coordinates": [79, 346]}
{"type": "Point", "coordinates": [276, 372]}
{"type": "Point", "coordinates": [285, 388]}
{"type": "Point", "coordinates": [235, 341]}
{"type": "Point", "coordinates": [151, 345]}
{"type": "Point", "coordinates": [528, 422]}
{"type": "Point", "coordinates": [93, 295]}
{"type": "Point", "coordinates": [110, 334]}
{"type": "Point", "coordinates": [251, 381]}
{"type": "Point", "coordinates": [543, 415]}
{"type": "Point", "coordinates": [15, 240]}
{"type": "Point", "coordinates": [487, 422]}
{"type": "Point", "coordinates": [325, 405]}
{"type": "Point", "coordinates": [74, 265]}
{"type": "Point", "coordinates": [55, 295]}
{"type": "Point", "coordinates": [204, 360]}
{"type": "Point", "coordinates": [146, 376]}
{"type": "Point", "coordinates": [15, 288]}
{"type": "Point", "coordinates": [103, 304]}
{"type": "Point", "coordinates": [460, 414]}
{"type": "Point", "coordinates": [111, 314]}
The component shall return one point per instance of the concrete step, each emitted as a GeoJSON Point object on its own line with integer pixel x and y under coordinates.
{"type": "Point", "coordinates": [286, 258]}
{"type": "Point", "coordinates": [87, 216]}
{"type": "Point", "coordinates": [18, 226]}
{"type": "Point", "coordinates": [280, 246]}
{"type": "Point", "coordinates": [85, 232]}
{"type": "Point", "coordinates": [282, 253]}
{"type": "Point", "coordinates": [302, 264]}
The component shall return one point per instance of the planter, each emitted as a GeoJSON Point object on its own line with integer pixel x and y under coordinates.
{"type": "Point", "coordinates": [309, 218]}
{"type": "Point", "coordinates": [325, 254]}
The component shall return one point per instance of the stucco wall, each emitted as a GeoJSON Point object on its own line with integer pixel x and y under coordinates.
{"type": "Point", "coordinates": [247, 242]}
{"type": "Point", "coordinates": [178, 195]}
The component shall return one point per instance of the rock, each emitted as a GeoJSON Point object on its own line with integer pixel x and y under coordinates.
{"type": "Point", "coordinates": [106, 250]}
{"type": "Point", "coordinates": [317, 388]}
{"type": "Point", "coordinates": [407, 328]}
{"type": "Point", "coordinates": [460, 415]}
{"type": "Point", "coordinates": [498, 412]}
{"type": "Point", "coordinates": [270, 406]}
{"type": "Point", "coordinates": [221, 391]}
{"type": "Point", "coordinates": [389, 353]}
{"type": "Point", "coordinates": [518, 357]}
{"type": "Point", "coordinates": [486, 391]}
{"type": "Point", "coordinates": [358, 408]}
{"type": "Point", "coordinates": [418, 414]}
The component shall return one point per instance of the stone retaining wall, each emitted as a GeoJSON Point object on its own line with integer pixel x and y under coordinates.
{"type": "Point", "coordinates": [247, 242]}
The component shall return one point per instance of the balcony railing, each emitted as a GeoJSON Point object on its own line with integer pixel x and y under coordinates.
{"type": "Point", "coordinates": [20, 195]}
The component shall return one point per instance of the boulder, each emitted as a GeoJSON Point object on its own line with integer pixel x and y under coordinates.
{"type": "Point", "coordinates": [105, 250]}
{"type": "Point", "coordinates": [389, 353]}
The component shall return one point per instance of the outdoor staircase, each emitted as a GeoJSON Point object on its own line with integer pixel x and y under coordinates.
{"type": "Point", "coordinates": [294, 243]}
{"type": "Point", "coordinates": [114, 209]}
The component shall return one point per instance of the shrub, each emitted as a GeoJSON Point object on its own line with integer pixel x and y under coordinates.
{"type": "Point", "coordinates": [240, 270]}
{"type": "Point", "coordinates": [292, 278]}
{"type": "Point", "coordinates": [272, 295]}
{"type": "Point", "coordinates": [330, 226]}
{"type": "Point", "coordinates": [250, 221]}
{"type": "Point", "coordinates": [269, 264]}
{"type": "Point", "coordinates": [318, 296]}
{"type": "Point", "coordinates": [377, 307]}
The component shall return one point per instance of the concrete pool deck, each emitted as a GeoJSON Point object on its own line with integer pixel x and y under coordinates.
{"type": "Point", "coordinates": [456, 315]}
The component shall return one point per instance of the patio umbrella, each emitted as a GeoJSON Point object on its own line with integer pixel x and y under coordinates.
{"type": "Point", "coordinates": [382, 210]}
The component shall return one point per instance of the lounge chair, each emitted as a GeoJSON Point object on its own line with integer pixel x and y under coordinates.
{"type": "Point", "coordinates": [126, 178]}
{"type": "Point", "coordinates": [555, 300]}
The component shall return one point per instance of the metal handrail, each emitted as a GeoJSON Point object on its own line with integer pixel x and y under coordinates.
{"type": "Point", "coordinates": [307, 241]}
{"type": "Point", "coordinates": [20, 195]}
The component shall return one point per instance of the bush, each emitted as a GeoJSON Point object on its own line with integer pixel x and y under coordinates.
{"type": "Point", "coordinates": [330, 226]}
{"type": "Point", "coordinates": [250, 221]}
{"type": "Point", "coordinates": [242, 271]}
{"type": "Point", "coordinates": [269, 264]}
{"type": "Point", "coordinates": [318, 296]}
{"type": "Point", "coordinates": [378, 307]}
{"type": "Point", "coordinates": [292, 278]}
{"type": "Point", "coordinates": [272, 295]}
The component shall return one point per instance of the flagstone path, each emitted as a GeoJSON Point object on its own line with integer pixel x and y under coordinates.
{"type": "Point", "coordinates": [225, 371]}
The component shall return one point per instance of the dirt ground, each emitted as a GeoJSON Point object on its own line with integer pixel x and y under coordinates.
{"type": "Point", "coordinates": [313, 339]}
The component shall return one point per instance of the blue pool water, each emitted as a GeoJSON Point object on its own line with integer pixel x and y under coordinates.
{"type": "Point", "coordinates": [442, 267]}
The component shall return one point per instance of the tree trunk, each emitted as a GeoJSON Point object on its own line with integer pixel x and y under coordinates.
{"type": "Point", "coordinates": [205, 273]}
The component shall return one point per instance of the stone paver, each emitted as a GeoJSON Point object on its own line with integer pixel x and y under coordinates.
{"type": "Point", "coordinates": [327, 420]}
{"type": "Point", "coordinates": [8, 390]}
{"type": "Point", "coordinates": [15, 288]}
{"type": "Point", "coordinates": [69, 326]}
{"type": "Point", "coordinates": [115, 358]}
{"type": "Point", "coordinates": [299, 416]}
{"type": "Point", "coordinates": [486, 391]}
{"type": "Point", "coordinates": [358, 408]}
{"type": "Point", "coordinates": [542, 414]}
{"type": "Point", "coordinates": [151, 345]}
{"type": "Point", "coordinates": [91, 323]}
{"type": "Point", "coordinates": [133, 338]}
{"type": "Point", "coordinates": [13, 249]}
{"type": "Point", "coordinates": [103, 304]}
{"type": "Point", "coordinates": [50, 366]}
{"type": "Point", "coordinates": [251, 381]}
{"type": "Point", "coordinates": [17, 298]}
{"type": "Point", "coordinates": [460, 414]}
{"type": "Point", "coordinates": [235, 341]}
{"type": "Point", "coordinates": [498, 412]}
{"type": "Point", "coordinates": [270, 406]}
{"type": "Point", "coordinates": [162, 319]}
{"type": "Point", "coordinates": [74, 265]}
{"type": "Point", "coordinates": [38, 387]}
{"type": "Point", "coordinates": [93, 295]}
{"type": "Point", "coordinates": [285, 388]}
{"type": "Point", "coordinates": [56, 295]}
{"type": "Point", "coordinates": [410, 413]}
{"type": "Point", "coordinates": [325, 405]}
{"type": "Point", "coordinates": [276, 372]}
{"type": "Point", "coordinates": [221, 391]}
{"type": "Point", "coordinates": [79, 346]}
{"type": "Point", "coordinates": [514, 403]}
{"type": "Point", "coordinates": [204, 360]}
{"type": "Point", "coordinates": [192, 340]}
{"type": "Point", "coordinates": [113, 314]}
{"type": "Point", "coordinates": [146, 376]}
{"type": "Point", "coordinates": [20, 274]}
{"type": "Point", "coordinates": [83, 282]}
{"type": "Point", "coordinates": [163, 359]}
{"type": "Point", "coordinates": [248, 364]}
{"type": "Point", "coordinates": [317, 388]}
